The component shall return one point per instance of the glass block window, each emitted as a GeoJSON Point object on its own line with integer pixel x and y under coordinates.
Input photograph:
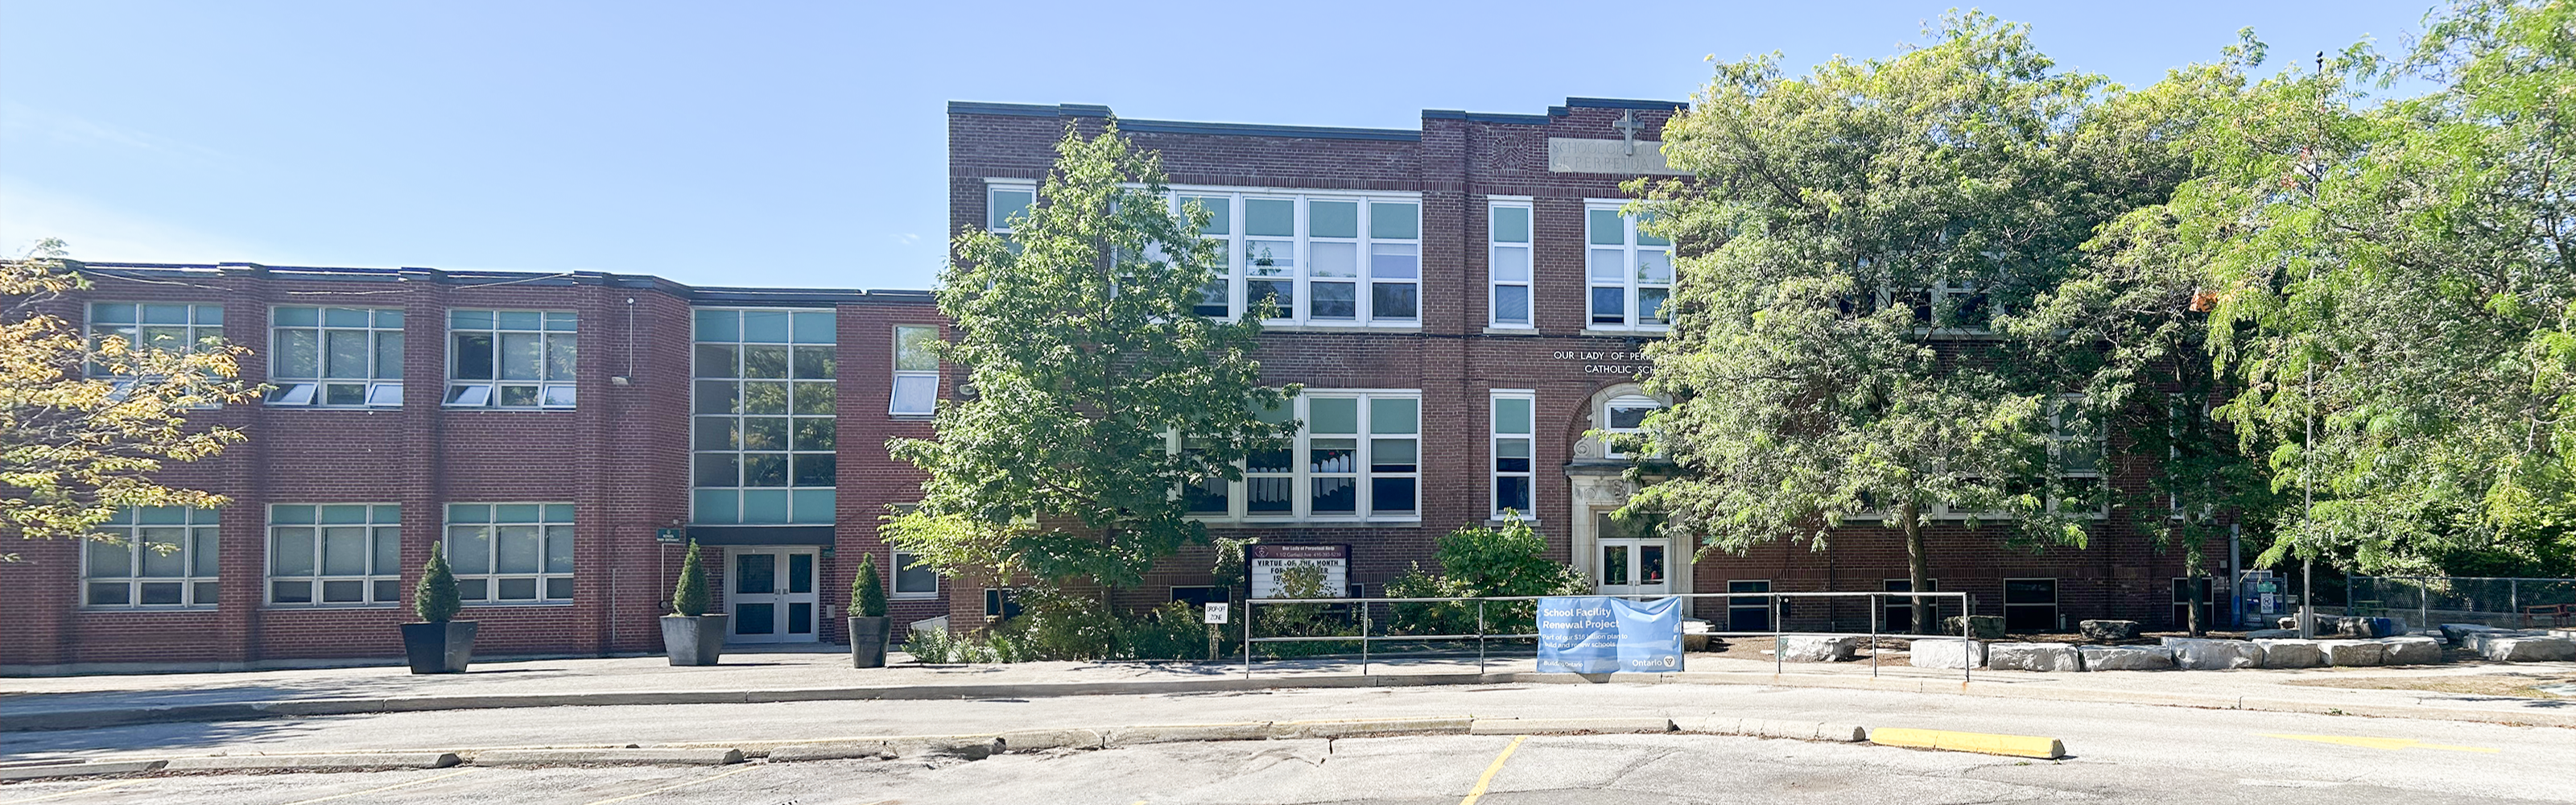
{"type": "Point", "coordinates": [335, 356]}
{"type": "Point", "coordinates": [916, 371]}
{"type": "Point", "coordinates": [150, 326]}
{"type": "Point", "coordinates": [511, 553]}
{"type": "Point", "coordinates": [1507, 262]}
{"type": "Point", "coordinates": [511, 358]}
{"type": "Point", "coordinates": [762, 431]}
{"type": "Point", "coordinates": [334, 554]}
{"type": "Point", "coordinates": [1631, 271]}
{"type": "Point", "coordinates": [162, 557]}
{"type": "Point", "coordinates": [1324, 260]}
{"type": "Point", "coordinates": [1513, 474]}
{"type": "Point", "coordinates": [1357, 458]}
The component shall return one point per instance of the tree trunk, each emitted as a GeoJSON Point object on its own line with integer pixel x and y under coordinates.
{"type": "Point", "coordinates": [2191, 576]}
{"type": "Point", "coordinates": [1918, 570]}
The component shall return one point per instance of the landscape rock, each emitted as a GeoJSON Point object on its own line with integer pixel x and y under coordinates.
{"type": "Point", "coordinates": [2370, 627]}
{"type": "Point", "coordinates": [2292, 653]}
{"type": "Point", "coordinates": [1982, 627]}
{"type": "Point", "coordinates": [2410, 650]}
{"type": "Point", "coordinates": [2109, 630]}
{"type": "Point", "coordinates": [2528, 649]}
{"type": "Point", "coordinates": [2352, 652]}
{"type": "Point", "coordinates": [1946, 653]}
{"type": "Point", "coordinates": [1818, 648]}
{"type": "Point", "coordinates": [2125, 658]}
{"type": "Point", "coordinates": [2199, 654]}
{"type": "Point", "coordinates": [2033, 657]}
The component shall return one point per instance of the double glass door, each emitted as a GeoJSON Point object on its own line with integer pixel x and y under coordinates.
{"type": "Point", "coordinates": [1631, 566]}
{"type": "Point", "coordinates": [771, 594]}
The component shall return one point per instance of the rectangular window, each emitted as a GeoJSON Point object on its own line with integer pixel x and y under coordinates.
{"type": "Point", "coordinates": [511, 553]}
{"type": "Point", "coordinates": [1900, 611]}
{"type": "Point", "coordinates": [163, 557]}
{"type": "Point", "coordinates": [1631, 271]}
{"type": "Point", "coordinates": [179, 328]}
{"type": "Point", "coordinates": [762, 427]}
{"type": "Point", "coordinates": [334, 554]}
{"type": "Point", "coordinates": [916, 371]}
{"type": "Point", "coordinates": [1357, 458]}
{"type": "Point", "coordinates": [1002, 203]}
{"type": "Point", "coordinates": [1507, 262]}
{"type": "Point", "coordinates": [913, 582]}
{"type": "Point", "coordinates": [2075, 456]}
{"type": "Point", "coordinates": [1513, 472]}
{"type": "Point", "coordinates": [1327, 260]}
{"type": "Point", "coordinates": [2030, 605]}
{"type": "Point", "coordinates": [1748, 613]}
{"type": "Point", "coordinates": [2182, 603]}
{"type": "Point", "coordinates": [335, 356]}
{"type": "Point", "coordinates": [511, 358]}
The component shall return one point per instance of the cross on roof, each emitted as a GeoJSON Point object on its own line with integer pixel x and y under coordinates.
{"type": "Point", "coordinates": [1628, 128]}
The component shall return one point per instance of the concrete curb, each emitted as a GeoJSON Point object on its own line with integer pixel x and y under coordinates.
{"type": "Point", "coordinates": [108, 717]}
{"type": "Point", "coordinates": [1769, 728]}
{"type": "Point", "coordinates": [384, 760]}
{"type": "Point", "coordinates": [1362, 727]}
{"type": "Point", "coordinates": [1541, 726]}
{"type": "Point", "coordinates": [79, 769]}
{"type": "Point", "coordinates": [641, 756]}
{"type": "Point", "coordinates": [1115, 737]}
{"type": "Point", "coordinates": [970, 747]}
{"type": "Point", "coordinates": [2031, 746]}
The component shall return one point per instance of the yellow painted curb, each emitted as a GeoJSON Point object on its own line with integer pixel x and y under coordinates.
{"type": "Point", "coordinates": [1983, 743]}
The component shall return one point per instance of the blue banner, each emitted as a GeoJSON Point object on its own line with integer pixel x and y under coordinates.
{"type": "Point", "coordinates": [1594, 634]}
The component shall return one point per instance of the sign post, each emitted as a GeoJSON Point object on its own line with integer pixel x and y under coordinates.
{"type": "Point", "coordinates": [1214, 613]}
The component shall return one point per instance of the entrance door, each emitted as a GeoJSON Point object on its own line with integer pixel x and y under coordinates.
{"type": "Point", "coordinates": [771, 594]}
{"type": "Point", "coordinates": [1632, 566]}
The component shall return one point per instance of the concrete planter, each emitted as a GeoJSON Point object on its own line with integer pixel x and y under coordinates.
{"type": "Point", "coordinates": [694, 640]}
{"type": "Point", "coordinates": [439, 648]}
{"type": "Point", "coordinates": [868, 638]}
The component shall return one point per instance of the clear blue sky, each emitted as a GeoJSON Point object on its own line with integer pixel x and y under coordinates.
{"type": "Point", "coordinates": [794, 143]}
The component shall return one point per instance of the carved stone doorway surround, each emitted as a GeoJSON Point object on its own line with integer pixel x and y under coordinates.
{"type": "Point", "coordinates": [1598, 489]}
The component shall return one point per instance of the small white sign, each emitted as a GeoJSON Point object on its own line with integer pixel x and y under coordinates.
{"type": "Point", "coordinates": [1216, 613]}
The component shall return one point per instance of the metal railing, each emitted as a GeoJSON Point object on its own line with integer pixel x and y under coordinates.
{"type": "Point", "coordinates": [1772, 604]}
{"type": "Point", "coordinates": [2476, 598]}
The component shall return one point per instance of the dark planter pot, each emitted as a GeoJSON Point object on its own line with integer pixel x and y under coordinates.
{"type": "Point", "coordinates": [438, 648]}
{"type": "Point", "coordinates": [694, 640]}
{"type": "Point", "coordinates": [868, 641]}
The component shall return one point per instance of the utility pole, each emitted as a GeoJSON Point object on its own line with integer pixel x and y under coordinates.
{"type": "Point", "coordinates": [2308, 450]}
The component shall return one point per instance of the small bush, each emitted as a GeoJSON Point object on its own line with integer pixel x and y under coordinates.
{"type": "Point", "coordinates": [689, 597]}
{"type": "Point", "coordinates": [867, 589]}
{"type": "Point", "coordinates": [434, 598]}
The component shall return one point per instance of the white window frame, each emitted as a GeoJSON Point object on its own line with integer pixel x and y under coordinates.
{"type": "Point", "coordinates": [381, 388]}
{"type": "Point", "coordinates": [480, 579]}
{"type": "Point", "coordinates": [1631, 253]}
{"type": "Point", "coordinates": [2056, 597]}
{"type": "Point", "coordinates": [904, 376]}
{"type": "Point", "coordinates": [199, 547]}
{"type": "Point", "coordinates": [197, 322]}
{"type": "Point", "coordinates": [993, 221]}
{"type": "Point", "coordinates": [551, 389]}
{"type": "Point", "coordinates": [1236, 272]}
{"type": "Point", "coordinates": [379, 523]}
{"type": "Point", "coordinates": [1624, 401]}
{"type": "Point", "coordinates": [894, 578]}
{"type": "Point", "coordinates": [1496, 247]}
{"type": "Point", "coordinates": [821, 499]}
{"type": "Point", "coordinates": [1528, 439]}
{"type": "Point", "coordinates": [1301, 475]}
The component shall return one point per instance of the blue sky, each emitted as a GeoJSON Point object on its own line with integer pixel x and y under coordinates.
{"type": "Point", "coordinates": [804, 144]}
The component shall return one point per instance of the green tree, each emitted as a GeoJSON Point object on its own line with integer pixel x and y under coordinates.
{"type": "Point", "coordinates": [2401, 274]}
{"type": "Point", "coordinates": [1078, 333]}
{"type": "Point", "coordinates": [867, 589]}
{"type": "Point", "coordinates": [1854, 245]}
{"type": "Point", "coordinates": [689, 596]}
{"type": "Point", "coordinates": [86, 422]}
{"type": "Point", "coordinates": [434, 598]}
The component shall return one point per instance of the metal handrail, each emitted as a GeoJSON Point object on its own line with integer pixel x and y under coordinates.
{"type": "Point", "coordinates": [1771, 604]}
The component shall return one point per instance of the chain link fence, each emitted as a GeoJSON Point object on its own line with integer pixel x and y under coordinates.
{"type": "Point", "coordinates": [2428, 600]}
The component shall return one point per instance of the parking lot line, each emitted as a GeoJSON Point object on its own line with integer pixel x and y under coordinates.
{"type": "Point", "coordinates": [674, 786]}
{"type": "Point", "coordinates": [374, 790]}
{"type": "Point", "coordinates": [117, 784]}
{"type": "Point", "coordinates": [1490, 771]}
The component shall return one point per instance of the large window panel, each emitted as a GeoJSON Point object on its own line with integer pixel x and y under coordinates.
{"type": "Point", "coordinates": [334, 554]}
{"type": "Point", "coordinates": [762, 427]}
{"type": "Point", "coordinates": [1323, 259]}
{"type": "Point", "coordinates": [511, 553]}
{"type": "Point", "coordinates": [1359, 457]}
{"type": "Point", "coordinates": [336, 356]}
{"type": "Point", "coordinates": [1630, 271]}
{"type": "Point", "coordinates": [159, 557]}
{"type": "Point", "coordinates": [1507, 263]}
{"type": "Point", "coordinates": [511, 358]}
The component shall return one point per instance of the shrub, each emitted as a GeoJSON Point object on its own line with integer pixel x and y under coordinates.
{"type": "Point", "coordinates": [434, 598]}
{"type": "Point", "coordinates": [690, 596]}
{"type": "Point", "coordinates": [1478, 561]}
{"type": "Point", "coordinates": [867, 589]}
{"type": "Point", "coordinates": [1306, 620]}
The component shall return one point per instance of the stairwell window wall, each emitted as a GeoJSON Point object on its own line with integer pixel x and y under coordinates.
{"type": "Point", "coordinates": [1341, 259]}
{"type": "Point", "coordinates": [1631, 272]}
{"type": "Point", "coordinates": [1507, 262]}
{"type": "Point", "coordinates": [762, 425]}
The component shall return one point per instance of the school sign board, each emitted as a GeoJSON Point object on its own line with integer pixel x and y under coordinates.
{"type": "Point", "coordinates": [1593, 634]}
{"type": "Point", "coordinates": [1268, 560]}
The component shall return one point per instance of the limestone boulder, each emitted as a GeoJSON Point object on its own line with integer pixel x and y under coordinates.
{"type": "Point", "coordinates": [1818, 648]}
{"type": "Point", "coordinates": [2352, 652]}
{"type": "Point", "coordinates": [2359, 628]}
{"type": "Point", "coordinates": [2125, 658]}
{"type": "Point", "coordinates": [2272, 634]}
{"type": "Point", "coordinates": [2109, 630]}
{"type": "Point", "coordinates": [2201, 654]}
{"type": "Point", "coordinates": [1981, 627]}
{"type": "Point", "coordinates": [2528, 649]}
{"type": "Point", "coordinates": [2409, 650]}
{"type": "Point", "coordinates": [2292, 653]}
{"type": "Point", "coordinates": [2057, 657]}
{"type": "Point", "coordinates": [1946, 653]}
